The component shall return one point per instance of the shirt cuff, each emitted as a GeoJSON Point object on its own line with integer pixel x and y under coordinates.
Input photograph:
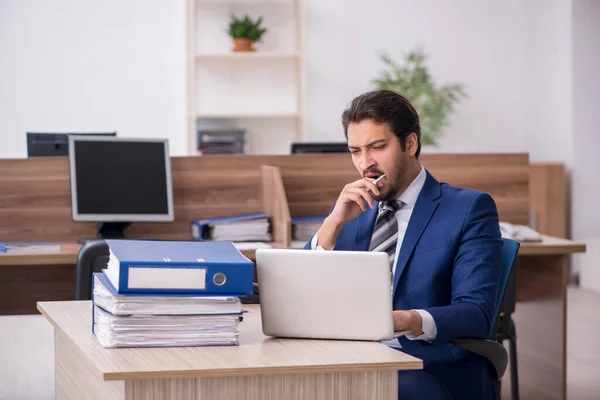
{"type": "Point", "coordinates": [313, 244]}
{"type": "Point", "coordinates": [429, 328]}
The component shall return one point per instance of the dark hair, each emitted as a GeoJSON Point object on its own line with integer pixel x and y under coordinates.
{"type": "Point", "coordinates": [385, 106]}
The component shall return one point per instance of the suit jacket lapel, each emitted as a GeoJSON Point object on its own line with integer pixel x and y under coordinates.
{"type": "Point", "coordinates": [364, 228]}
{"type": "Point", "coordinates": [424, 208]}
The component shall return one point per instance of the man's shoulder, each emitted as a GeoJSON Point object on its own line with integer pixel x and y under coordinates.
{"type": "Point", "coordinates": [463, 196]}
{"type": "Point", "coordinates": [459, 193]}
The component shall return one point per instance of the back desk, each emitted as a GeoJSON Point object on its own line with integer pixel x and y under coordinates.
{"type": "Point", "coordinates": [35, 205]}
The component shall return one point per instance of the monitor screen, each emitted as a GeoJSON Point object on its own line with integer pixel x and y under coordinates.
{"type": "Point", "coordinates": [120, 180]}
{"type": "Point", "coordinates": [54, 144]}
{"type": "Point", "coordinates": [316, 147]}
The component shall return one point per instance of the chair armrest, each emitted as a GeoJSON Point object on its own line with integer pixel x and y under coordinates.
{"type": "Point", "coordinates": [493, 351]}
{"type": "Point", "coordinates": [84, 270]}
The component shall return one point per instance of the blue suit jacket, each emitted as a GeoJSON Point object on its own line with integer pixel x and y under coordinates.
{"type": "Point", "coordinates": [449, 265]}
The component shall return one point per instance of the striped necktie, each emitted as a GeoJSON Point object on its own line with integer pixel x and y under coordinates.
{"type": "Point", "coordinates": [385, 232]}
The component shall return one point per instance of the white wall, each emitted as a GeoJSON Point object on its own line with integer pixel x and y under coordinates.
{"type": "Point", "coordinates": [585, 187]}
{"type": "Point", "coordinates": [513, 55]}
{"type": "Point", "coordinates": [84, 65]}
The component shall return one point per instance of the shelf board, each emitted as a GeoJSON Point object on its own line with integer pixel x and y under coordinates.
{"type": "Point", "coordinates": [247, 115]}
{"type": "Point", "coordinates": [257, 55]}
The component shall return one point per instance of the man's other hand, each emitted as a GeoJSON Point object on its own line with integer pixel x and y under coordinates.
{"type": "Point", "coordinates": [408, 320]}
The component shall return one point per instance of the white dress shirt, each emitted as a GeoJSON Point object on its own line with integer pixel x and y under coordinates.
{"type": "Point", "coordinates": [409, 199]}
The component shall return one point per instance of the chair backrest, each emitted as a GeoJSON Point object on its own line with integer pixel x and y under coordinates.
{"type": "Point", "coordinates": [510, 248]}
{"type": "Point", "coordinates": [92, 257]}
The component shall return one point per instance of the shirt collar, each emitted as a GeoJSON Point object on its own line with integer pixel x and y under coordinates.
{"type": "Point", "coordinates": [410, 195]}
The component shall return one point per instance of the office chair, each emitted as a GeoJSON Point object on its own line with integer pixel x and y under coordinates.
{"type": "Point", "coordinates": [506, 331]}
{"type": "Point", "coordinates": [492, 348]}
{"type": "Point", "coordinates": [92, 257]}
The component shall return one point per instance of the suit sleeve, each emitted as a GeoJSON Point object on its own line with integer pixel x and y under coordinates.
{"type": "Point", "coordinates": [475, 276]}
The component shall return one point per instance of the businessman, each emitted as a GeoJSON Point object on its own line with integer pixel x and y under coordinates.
{"type": "Point", "coordinates": [443, 243]}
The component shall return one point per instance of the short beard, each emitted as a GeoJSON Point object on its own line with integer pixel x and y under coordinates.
{"type": "Point", "coordinates": [396, 181]}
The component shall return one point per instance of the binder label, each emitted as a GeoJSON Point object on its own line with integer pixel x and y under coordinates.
{"type": "Point", "coordinates": [170, 278]}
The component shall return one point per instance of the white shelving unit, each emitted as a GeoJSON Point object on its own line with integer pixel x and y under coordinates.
{"type": "Point", "coordinates": [262, 92]}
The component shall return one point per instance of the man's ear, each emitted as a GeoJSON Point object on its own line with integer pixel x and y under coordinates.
{"type": "Point", "coordinates": [411, 144]}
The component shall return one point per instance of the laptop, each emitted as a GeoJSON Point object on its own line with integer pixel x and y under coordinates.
{"type": "Point", "coordinates": [343, 295]}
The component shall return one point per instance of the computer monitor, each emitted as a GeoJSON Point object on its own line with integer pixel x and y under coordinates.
{"type": "Point", "coordinates": [54, 144]}
{"type": "Point", "coordinates": [117, 181]}
{"type": "Point", "coordinates": [316, 147]}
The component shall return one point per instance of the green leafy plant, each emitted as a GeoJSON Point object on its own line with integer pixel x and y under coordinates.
{"type": "Point", "coordinates": [246, 28]}
{"type": "Point", "coordinates": [413, 80]}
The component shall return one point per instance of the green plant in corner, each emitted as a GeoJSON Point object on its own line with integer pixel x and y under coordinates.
{"type": "Point", "coordinates": [245, 32]}
{"type": "Point", "coordinates": [413, 80]}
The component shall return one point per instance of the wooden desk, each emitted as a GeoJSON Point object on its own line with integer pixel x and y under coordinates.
{"type": "Point", "coordinates": [26, 279]}
{"type": "Point", "coordinates": [541, 319]}
{"type": "Point", "coordinates": [260, 368]}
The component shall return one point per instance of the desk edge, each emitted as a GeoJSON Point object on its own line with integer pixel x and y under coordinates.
{"type": "Point", "coordinates": [221, 373]}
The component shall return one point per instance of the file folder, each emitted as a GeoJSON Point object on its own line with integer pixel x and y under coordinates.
{"type": "Point", "coordinates": [244, 227]}
{"type": "Point", "coordinates": [203, 268]}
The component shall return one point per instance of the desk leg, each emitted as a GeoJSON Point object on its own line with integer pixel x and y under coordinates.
{"type": "Point", "coordinates": [328, 386]}
{"type": "Point", "coordinates": [540, 320]}
{"type": "Point", "coordinates": [76, 378]}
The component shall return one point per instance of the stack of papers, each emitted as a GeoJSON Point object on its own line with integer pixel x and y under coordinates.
{"type": "Point", "coordinates": [304, 228]}
{"type": "Point", "coordinates": [234, 231]}
{"type": "Point", "coordinates": [29, 247]}
{"type": "Point", "coordinates": [145, 320]}
{"type": "Point", "coordinates": [236, 228]}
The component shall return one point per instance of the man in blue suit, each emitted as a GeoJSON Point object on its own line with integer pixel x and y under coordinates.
{"type": "Point", "coordinates": [444, 245]}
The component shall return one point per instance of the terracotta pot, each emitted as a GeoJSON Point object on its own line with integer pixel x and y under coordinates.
{"type": "Point", "coordinates": [242, 45]}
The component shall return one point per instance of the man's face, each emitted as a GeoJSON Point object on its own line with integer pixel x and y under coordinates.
{"type": "Point", "coordinates": [376, 150]}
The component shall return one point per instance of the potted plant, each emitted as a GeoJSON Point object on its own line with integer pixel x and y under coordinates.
{"type": "Point", "coordinates": [413, 80]}
{"type": "Point", "coordinates": [245, 32]}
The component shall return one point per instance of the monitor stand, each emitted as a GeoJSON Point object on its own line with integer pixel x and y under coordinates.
{"type": "Point", "coordinates": [109, 230]}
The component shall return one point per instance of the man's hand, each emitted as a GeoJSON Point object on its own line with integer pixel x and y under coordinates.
{"type": "Point", "coordinates": [354, 199]}
{"type": "Point", "coordinates": [408, 320]}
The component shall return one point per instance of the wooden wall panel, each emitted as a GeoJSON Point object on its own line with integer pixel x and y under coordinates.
{"type": "Point", "coordinates": [35, 197]}
{"type": "Point", "coordinates": [548, 198]}
{"type": "Point", "coordinates": [313, 182]}
{"type": "Point", "coordinates": [35, 193]}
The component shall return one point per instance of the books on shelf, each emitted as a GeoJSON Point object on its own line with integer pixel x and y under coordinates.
{"type": "Point", "coordinates": [222, 141]}
{"type": "Point", "coordinates": [146, 296]}
{"type": "Point", "coordinates": [236, 228]}
{"type": "Point", "coordinates": [29, 247]}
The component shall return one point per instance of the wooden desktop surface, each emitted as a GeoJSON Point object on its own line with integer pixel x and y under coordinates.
{"type": "Point", "coordinates": [257, 354]}
{"type": "Point", "coordinates": [68, 252]}
{"type": "Point", "coordinates": [551, 246]}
